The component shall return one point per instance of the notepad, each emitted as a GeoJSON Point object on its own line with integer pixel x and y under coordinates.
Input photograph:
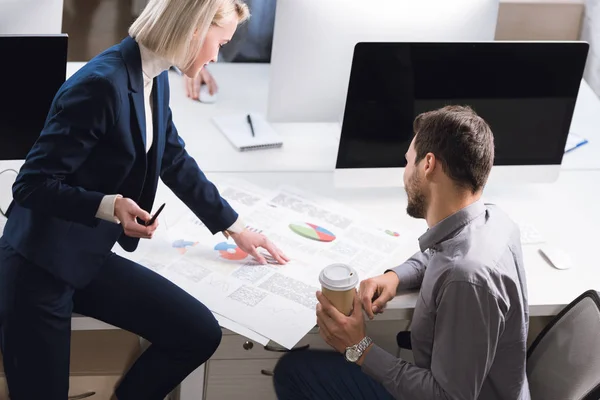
{"type": "Point", "coordinates": [237, 130]}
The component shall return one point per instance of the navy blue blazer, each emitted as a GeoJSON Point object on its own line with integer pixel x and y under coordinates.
{"type": "Point", "coordinates": [93, 144]}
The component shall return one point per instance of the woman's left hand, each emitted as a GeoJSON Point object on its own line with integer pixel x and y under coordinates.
{"type": "Point", "coordinates": [192, 85]}
{"type": "Point", "coordinates": [249, 242]}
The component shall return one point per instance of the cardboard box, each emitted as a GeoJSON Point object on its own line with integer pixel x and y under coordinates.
{"type": "Point", "coordinates": [98, 361]}
{"type": "Point", "coordinates": [539, 19]}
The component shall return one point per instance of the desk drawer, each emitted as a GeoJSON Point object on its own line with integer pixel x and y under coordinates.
{"type": "Point", "coordinates": [240, 379]}
{"type": "Point", "coordinates": [236, 347]}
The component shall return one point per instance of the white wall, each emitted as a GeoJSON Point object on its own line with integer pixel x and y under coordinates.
{"type": "Point", "coordinates": [25, 17]}
{"type": "Point", "coordinates": [591, 33]}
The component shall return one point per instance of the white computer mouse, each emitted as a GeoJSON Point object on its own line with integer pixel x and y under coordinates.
{"type": "Point", "coordinates": [556, 257]}
{"type": "Point", "coordinates": [205, 96]}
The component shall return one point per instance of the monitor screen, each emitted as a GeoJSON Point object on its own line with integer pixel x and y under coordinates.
{"type": "Point", "coordinates": [526, 91]}
{"type": "Point", "coordinates": [32, 71]}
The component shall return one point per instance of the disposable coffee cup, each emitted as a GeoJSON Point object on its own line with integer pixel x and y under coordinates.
{"type": "Point", "coordinates": [338, 282]}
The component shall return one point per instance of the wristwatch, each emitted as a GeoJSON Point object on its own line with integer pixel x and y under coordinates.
{"type": "Point", "coordinates": [353, 353]}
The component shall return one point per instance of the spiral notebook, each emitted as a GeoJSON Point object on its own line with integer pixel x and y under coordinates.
{"type": "Point", "coordinates": [237, 130]}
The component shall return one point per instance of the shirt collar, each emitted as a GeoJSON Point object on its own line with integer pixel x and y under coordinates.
{"type": "Point", "coordinates": [450, 224]}
{"type": "Point", "coordinates": [152, 64]}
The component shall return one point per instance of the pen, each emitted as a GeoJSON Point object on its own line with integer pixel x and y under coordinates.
{"type": "Point", "coordinates": [577, 146]}
{"type": "Point", "coordinates": [148, 223]}
{"type": "Point", "coordinates": [250, 123]}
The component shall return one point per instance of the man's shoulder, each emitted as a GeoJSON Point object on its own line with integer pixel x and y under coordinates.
{"type": "Point", "coordinates": [483, 253]}
{"type": "Point", "coordinates": [490, 269]}
{"type": "Point", "coordinates": [478, 273]}
{"type": "Point", "coordinates": [469, 269]}
{"type": "Point", "coordinates": [486, 240]}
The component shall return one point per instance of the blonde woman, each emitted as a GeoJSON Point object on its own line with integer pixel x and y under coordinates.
{"type": "Point", "coordinates": [88, 183]}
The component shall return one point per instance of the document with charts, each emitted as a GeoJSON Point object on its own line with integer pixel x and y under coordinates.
{"type": "Point", "coordinates": [275, 302]}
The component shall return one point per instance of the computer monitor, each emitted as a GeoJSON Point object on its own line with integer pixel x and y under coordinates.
{"type": "Point", "coordinates": [314, 40]}
{"type": "Point", "coordinates": [34, 69]}
{"type": "Point", "coordinates": [31, 17]}
{"type": "Point", "coordinates": [526, 91]}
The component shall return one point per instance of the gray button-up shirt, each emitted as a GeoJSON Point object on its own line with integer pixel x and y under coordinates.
{"type": "Point", "coordinates": [469, 329]}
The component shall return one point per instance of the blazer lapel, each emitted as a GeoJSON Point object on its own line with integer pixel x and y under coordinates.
{"type": "Point", "coordinates": [133, 61]}
{"type": "Point", "coordinates": [157, 113]}
{"type": "Point", "coordinates": [137, 100]}
{"type": "Point", "coordinates": [158, 120]}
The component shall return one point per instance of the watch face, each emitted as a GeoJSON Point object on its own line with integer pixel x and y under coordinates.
{"type": "Point", "coordinates": [352, 355]}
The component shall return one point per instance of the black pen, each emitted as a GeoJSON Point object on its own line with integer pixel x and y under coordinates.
{"type": "Point", "coordinates": [250, 123]}
{"type": "Point", "coordinates": [152, 219]}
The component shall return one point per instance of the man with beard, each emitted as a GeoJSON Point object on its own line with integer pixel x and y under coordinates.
{"type": "Point", "coordinates": [469, 329]}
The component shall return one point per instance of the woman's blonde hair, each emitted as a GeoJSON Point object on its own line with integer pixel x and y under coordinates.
{"type": "Point", "coordinates": [167, 27]}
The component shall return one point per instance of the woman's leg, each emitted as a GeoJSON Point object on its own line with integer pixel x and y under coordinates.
{"type": "Point", "coordinates": [35, 329]}
{"type": "Point", "coordinates": [183, 332]}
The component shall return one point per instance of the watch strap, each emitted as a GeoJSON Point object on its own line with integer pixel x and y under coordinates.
{"type": "Point", "coordinates": [363, 344]}
{"type": "Point", "coordinates": [358, 348]}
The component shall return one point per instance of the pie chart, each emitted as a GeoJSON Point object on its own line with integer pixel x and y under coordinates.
{"type": "Point", "coordinates": [182, 245]}
{"type": "Point", "coordinates": [230, 251]}
{"type": "Point", "coordinates": [312, 231]}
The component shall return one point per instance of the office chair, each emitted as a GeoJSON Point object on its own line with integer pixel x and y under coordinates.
{"type": "Point", "coordinates": [403, 340]}
{"type": "Point", "coordinates": [563, 363]}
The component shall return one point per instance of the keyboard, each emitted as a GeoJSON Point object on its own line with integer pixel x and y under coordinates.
{"type": "Point", "coordinates": [530, 235]}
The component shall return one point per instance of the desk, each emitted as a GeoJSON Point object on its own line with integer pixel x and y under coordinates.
{"type": "Point", "coordinates": [563, 217]}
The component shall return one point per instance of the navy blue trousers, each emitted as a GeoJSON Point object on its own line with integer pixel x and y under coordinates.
{"type": "Point", "coordinates": [35, 319]}
{"type": "Point", "coordinates": [323, 375]}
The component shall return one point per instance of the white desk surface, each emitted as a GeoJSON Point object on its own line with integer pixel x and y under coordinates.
{"type": "Point", "coordinates": [564, 211]}
{"type": "Point", "coordinates": [308, 147]}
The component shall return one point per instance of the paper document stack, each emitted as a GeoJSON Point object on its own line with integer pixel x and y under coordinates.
{"type": "Point", "coordinates": [270, 302]}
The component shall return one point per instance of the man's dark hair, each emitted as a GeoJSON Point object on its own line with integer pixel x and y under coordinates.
{"type": "Point", "coordinates": [460, 140]}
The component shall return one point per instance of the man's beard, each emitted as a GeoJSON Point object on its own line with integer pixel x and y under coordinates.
{"type": "Point", "coordinates": [417, 203]}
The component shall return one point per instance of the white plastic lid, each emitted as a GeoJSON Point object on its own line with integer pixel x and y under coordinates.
{"type": "Point", "coordinates": [338, 277]}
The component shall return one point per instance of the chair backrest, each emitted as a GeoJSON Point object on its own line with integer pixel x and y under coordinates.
{"type": "Point", "coordinates": [563, 363]}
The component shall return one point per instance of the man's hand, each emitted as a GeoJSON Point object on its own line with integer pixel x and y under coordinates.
{"type": "Point", "coordinates": [249, 242]}
{"type": "Point", "coordinates": [376, 292]}
{"type": "Point", "coordinates": [126, 210]}
{"type": "Point", "coordinates": [192, 86]}
{"type": "Point", "coordinates": [338, 330]}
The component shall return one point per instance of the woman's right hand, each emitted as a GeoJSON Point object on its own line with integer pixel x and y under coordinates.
{"type": "Point", "coordinates": [192, 86]}
{"type": "Point", "coordinates": [127, 212]}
